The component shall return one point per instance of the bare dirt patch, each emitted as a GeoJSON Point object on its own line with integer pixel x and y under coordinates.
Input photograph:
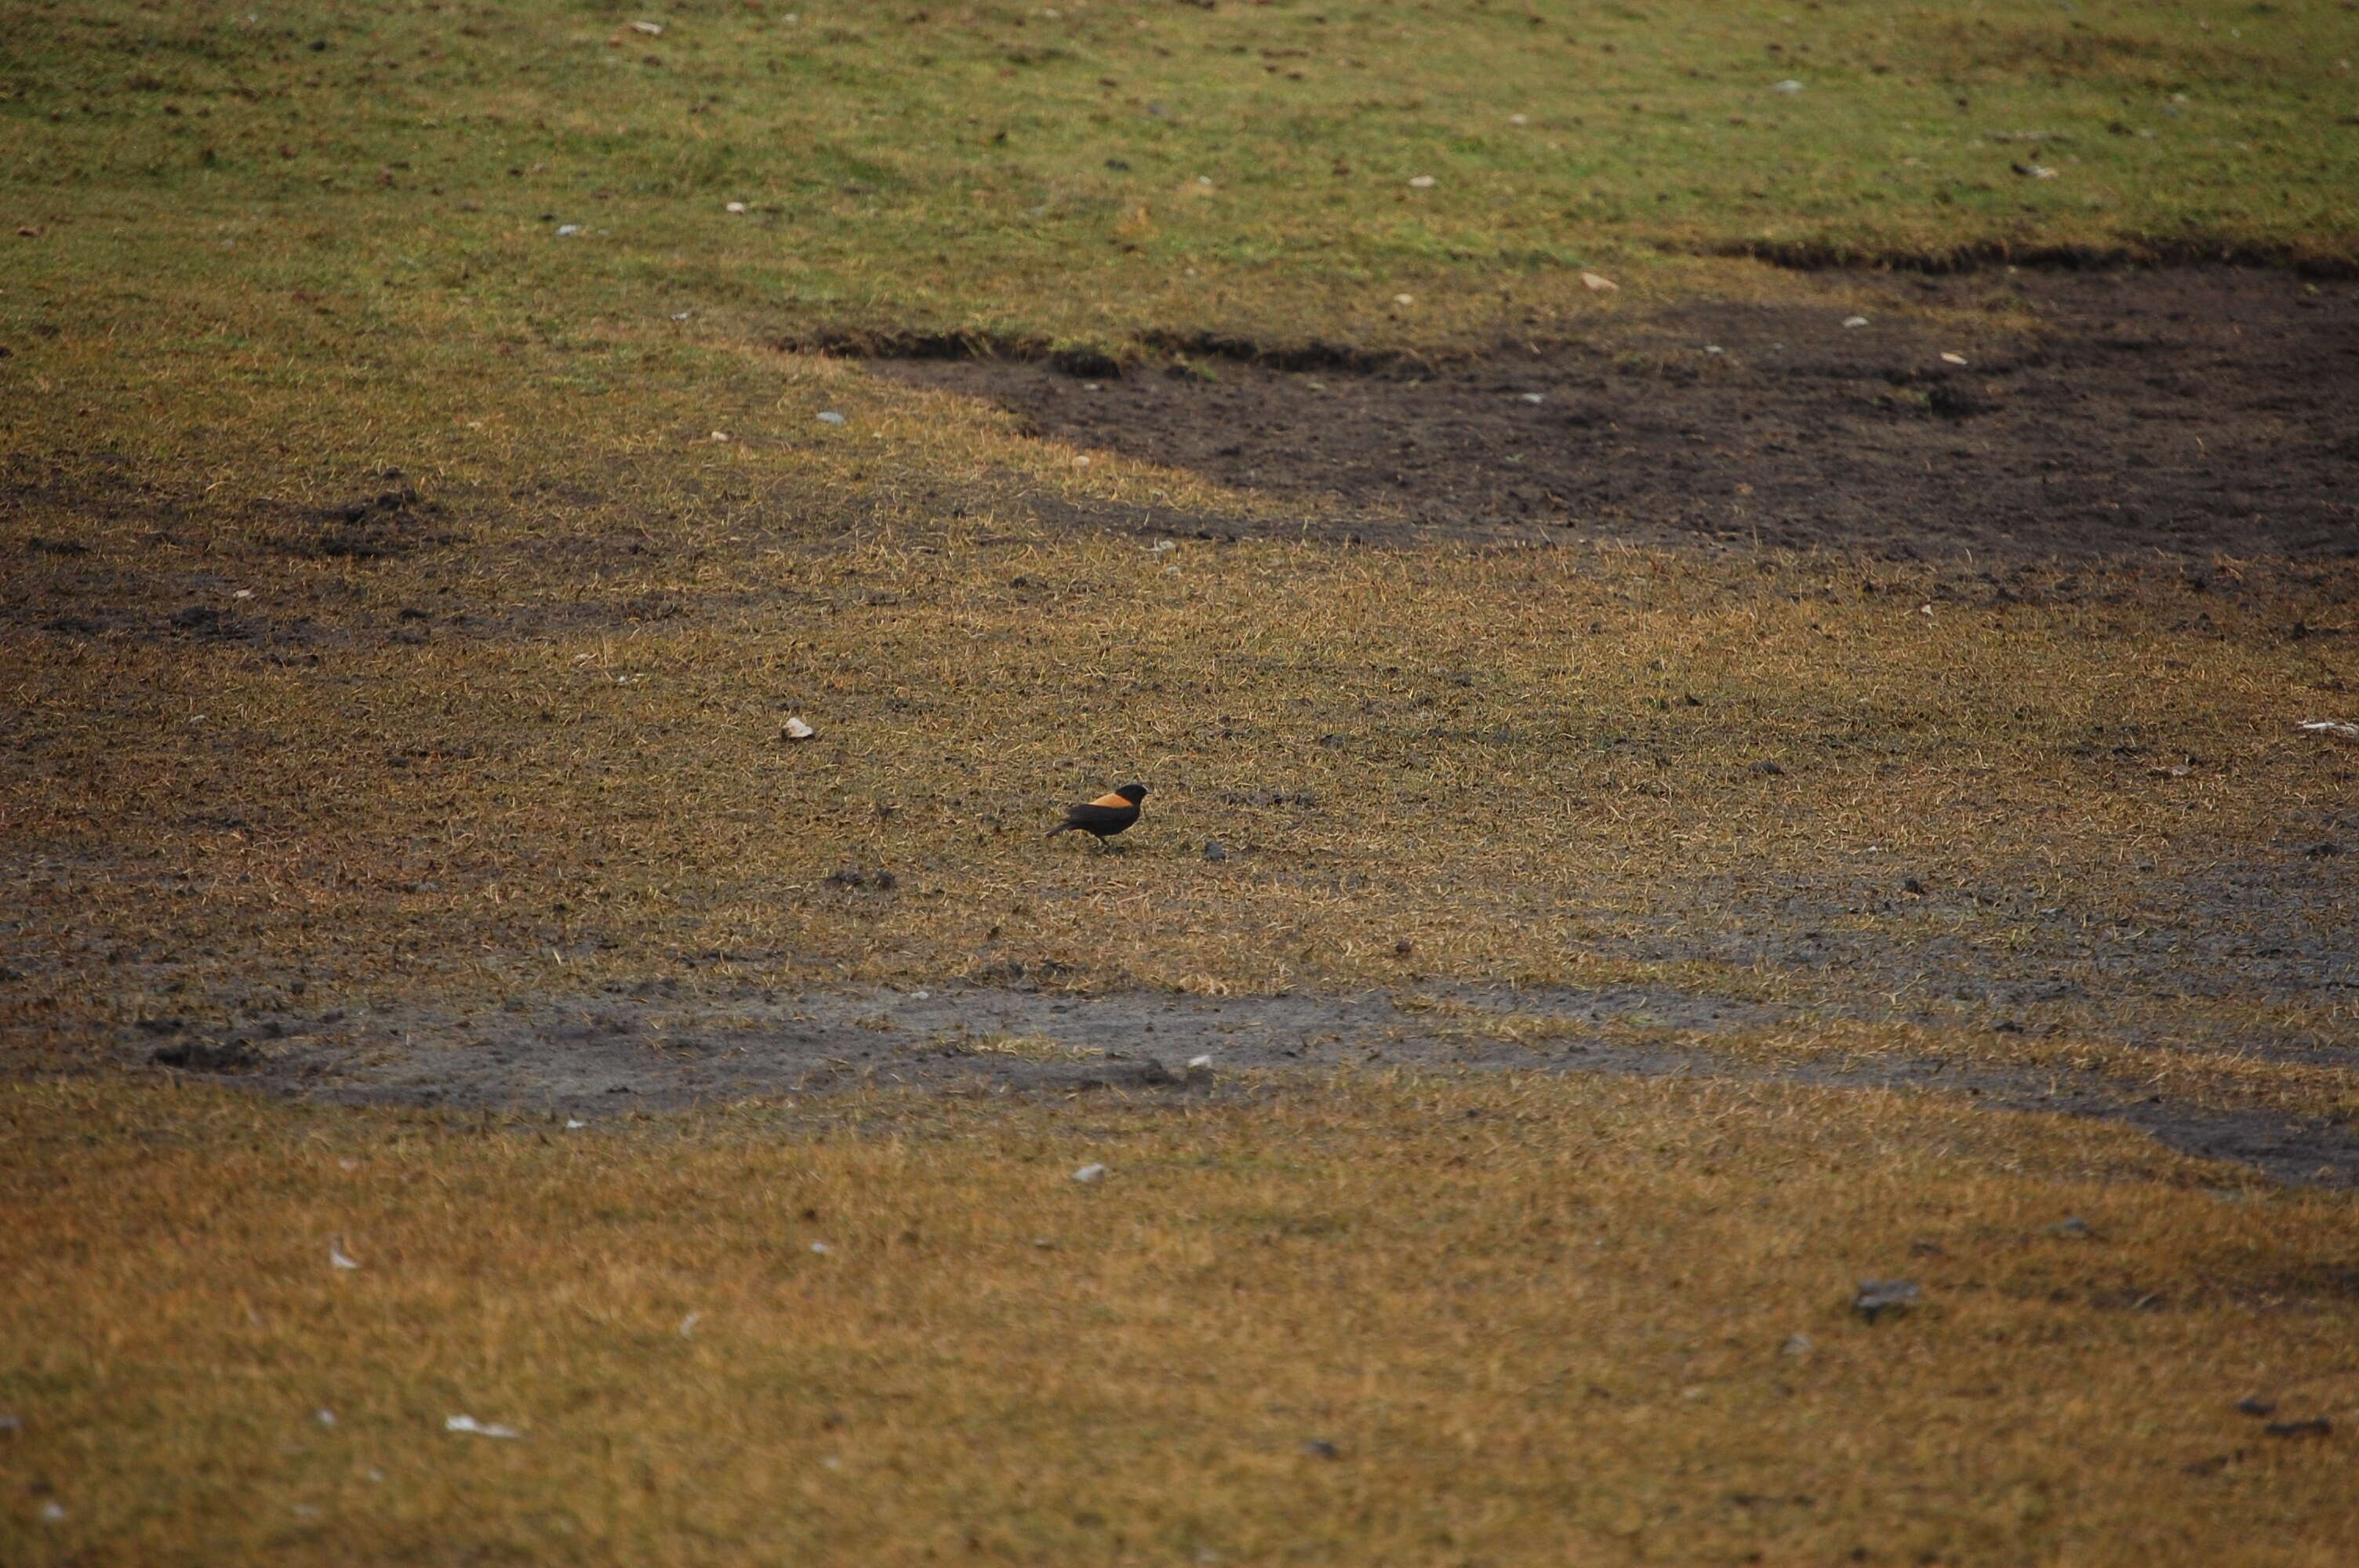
{"type": "Point", "coordinates": [653, 1048]}
{"type": "Point", "coordinates": [2189, 411]}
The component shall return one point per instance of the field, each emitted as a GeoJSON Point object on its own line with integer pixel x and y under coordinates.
{"type": "Point", "coordinates": [1718, 605]}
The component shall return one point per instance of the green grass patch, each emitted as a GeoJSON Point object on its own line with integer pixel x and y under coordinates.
{"type": "Point", "coordinates": [1115, 169]}
{"type": "Point", "coordinates": [272, 248]}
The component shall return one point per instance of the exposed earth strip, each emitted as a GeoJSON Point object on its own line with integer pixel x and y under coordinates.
{"type": "Point", "coordinates": [588, 1057]}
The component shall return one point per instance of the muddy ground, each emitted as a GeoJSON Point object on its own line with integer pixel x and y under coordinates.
{"type": "Point", "coordinates": [2189, 411]}
{"type": "Point", "coordinates": [587, 1058]}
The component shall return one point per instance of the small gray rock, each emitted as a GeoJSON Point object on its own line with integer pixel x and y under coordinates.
{"type": "Point", "coordinates": [1877, 1297]}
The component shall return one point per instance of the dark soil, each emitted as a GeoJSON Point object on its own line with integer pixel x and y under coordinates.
{"type": "Point", "coordinates": [2190, 411]}
{"type": "Point", "coordinates": [591, 1057]}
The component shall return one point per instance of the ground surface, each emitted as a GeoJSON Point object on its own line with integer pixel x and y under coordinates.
{"type": "Point", "coordinates": [498, 657]}
{"type": "Point", "coordinates": [1370, 1317]}
{"type": "Point", "coordinates": [588, 1058]}
{"type": "Point", "coordinates": [2185, 410]}
{"type": "Point", "coordinates": [2194, 421]}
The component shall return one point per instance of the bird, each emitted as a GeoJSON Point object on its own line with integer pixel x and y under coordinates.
{"type": "Point", "coordinates": [1104, 817]}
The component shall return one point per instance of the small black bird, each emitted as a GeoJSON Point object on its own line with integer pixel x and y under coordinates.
{"type": "Point", "coordinates": [1105, 816]}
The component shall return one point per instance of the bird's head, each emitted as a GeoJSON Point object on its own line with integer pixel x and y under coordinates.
{"type": "Point", "coordinates": [1133, 792]}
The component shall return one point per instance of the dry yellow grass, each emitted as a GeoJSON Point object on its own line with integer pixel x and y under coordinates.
{"type": "Point", "coordinates": [2206, 1078]}
{"type": "Point", "coordinates": [1537, 1321]}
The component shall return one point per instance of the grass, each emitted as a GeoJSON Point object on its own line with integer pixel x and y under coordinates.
{"type": "Point", "coordinates": [335, 235]}
{"type": "Point", "coordinates": [517, 735]}
{"type": "Point", "coordinates": [1028, 1047]}
{"type": "Point", "coordinates": [1531, 1319]}
{"type": "Point", "coordinates": [549, 804]}
{"type": "Point", "coordinates": [1116, 170]}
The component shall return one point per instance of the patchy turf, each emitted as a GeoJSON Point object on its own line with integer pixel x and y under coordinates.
{"type": "Point", "coordinates": [426, 505]}
{"type": "Point", "coordinates": [1540, 767]}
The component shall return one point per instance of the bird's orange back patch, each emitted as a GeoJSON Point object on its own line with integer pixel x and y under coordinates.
{"type": "Point", "coordinates": [1113, 800]}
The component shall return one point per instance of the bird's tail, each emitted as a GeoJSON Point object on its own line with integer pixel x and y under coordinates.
{"type": "Point", "coordinates": [1064, 828]}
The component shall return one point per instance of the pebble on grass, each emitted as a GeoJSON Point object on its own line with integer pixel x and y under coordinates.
{"type": "Point", "coordinates": [1877, 1297]}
